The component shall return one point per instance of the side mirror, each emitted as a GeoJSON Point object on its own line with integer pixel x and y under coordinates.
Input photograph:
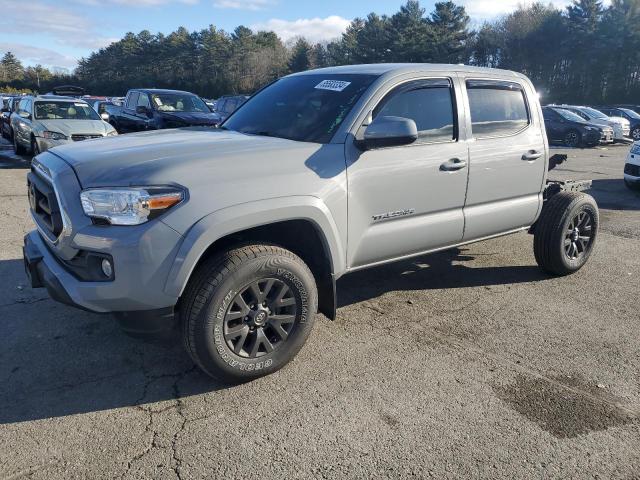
{"type": "Point", "coordinates": [390, 132]}
{"type": "Point", "coordinates": [4, 110]}
{"type": "Point", "coordinates": [142, 110]}
{"type": "Point", "coordinates": [24, 114]}
{"type": "Point", "coordinates": [104, 116]}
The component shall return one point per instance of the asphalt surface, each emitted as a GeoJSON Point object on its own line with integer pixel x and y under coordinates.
{"type": "Point", "coordinates": [468, 363]}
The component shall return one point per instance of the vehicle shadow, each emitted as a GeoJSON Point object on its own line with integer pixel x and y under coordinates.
{"type": "Point", "coordinates": [613, 194]}
{"type": "Point", "coordinates": [441, 270]}
{"type": "Point", "coordinates": [57, 361]}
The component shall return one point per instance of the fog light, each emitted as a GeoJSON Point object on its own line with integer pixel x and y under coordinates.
{"type": "Point", "coordinates": [107, 269]}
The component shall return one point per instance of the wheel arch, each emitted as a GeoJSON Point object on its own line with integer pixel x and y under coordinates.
{"type": "Point", "coordinates": [303, 225]}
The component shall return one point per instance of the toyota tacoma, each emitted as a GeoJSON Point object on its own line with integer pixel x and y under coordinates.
{"type": "Point", "coordinates": [235, 237]}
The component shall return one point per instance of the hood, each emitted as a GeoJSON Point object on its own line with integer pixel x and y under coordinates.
{"type": "Point", "coordinates": [73, 127]}
{"type": "Point", "coordinates": [185, 156]}
{"type": "Point", "coordinates": [191, 118]}
{"type": "Point", "coordinates": [620, 121]}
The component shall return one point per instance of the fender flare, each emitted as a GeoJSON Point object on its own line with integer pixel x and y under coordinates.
{"type": "Point", "coordinates": [244, 216]}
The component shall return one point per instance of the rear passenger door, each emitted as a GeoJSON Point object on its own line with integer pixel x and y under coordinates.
{"type": "Point", "coordinates": [508, 157]}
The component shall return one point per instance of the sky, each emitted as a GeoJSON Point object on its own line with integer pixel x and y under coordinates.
{"type": "Point", "coordinates": [56, 33]}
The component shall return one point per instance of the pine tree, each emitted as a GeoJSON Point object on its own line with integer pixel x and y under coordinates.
{"type": "Point", "coordinates": [12, 69]}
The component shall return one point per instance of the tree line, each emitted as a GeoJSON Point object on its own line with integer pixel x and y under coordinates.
{"type": "Point", "coordinates": [585, 53]}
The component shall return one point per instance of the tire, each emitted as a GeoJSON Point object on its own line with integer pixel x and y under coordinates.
{"type": "Point", "coordinates": [211, 312]}
{"type": "Point", "coordinates": [35, 150]}
{"type": "Point", "coordinates": [572, 139]}
{"type": "Point", "coordinates": [635, 134]}
{"type": "Point", "coordinates": [566, 232]}
{"type": "Point", "coordinates": [17, 148]}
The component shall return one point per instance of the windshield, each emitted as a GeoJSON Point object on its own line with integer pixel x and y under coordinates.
{"type": "Point", "coordinates": [306, 108]}
{"type": "Point", "coordinates": [173, 102]}
{"type": "Point", "coordinates": [631, 113]}
{"type": "Point", "coordinates": [594, 113]}
{"type": "Point", "coordinates": [64, 111]}
{"type": "Point", "coordinates": [570, 115]}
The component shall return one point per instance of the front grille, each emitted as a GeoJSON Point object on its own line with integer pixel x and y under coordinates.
{"type": "Point", "coordinates": [88, 136]}
{"type": "Point", "coordinates": [44, 205]}
{"type": "Point", "coordinates": [631, 169]}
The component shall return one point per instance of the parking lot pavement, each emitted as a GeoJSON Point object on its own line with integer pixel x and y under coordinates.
{"type": "Point", "coordinates": [464, 363]}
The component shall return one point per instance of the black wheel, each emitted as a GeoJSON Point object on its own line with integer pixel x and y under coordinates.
{"type": "Point", "coordinates": [572, 139]}
{"type": "Point", "coordinates": [565, 233]}
{"type": "Point", "coordinates": [17, 148]}
{"type": "Point", "coordinates": [635, 134]}
{"type": "Point", "coordinates": [35, 150]}
{"type": "Point", "coordinates": [247, 312]}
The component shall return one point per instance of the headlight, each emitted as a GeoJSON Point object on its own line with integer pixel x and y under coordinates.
{"type": "Point", "coordinates": [53, 135]}
{"type": "Point", "coordinates": [112, 133]}
{"type": "Point", "coordinates": [129, 206]}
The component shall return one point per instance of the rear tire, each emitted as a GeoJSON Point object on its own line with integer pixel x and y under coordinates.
{"type": "Point", "coordinates": [635, 134]}
{"type": "Point", "coordinates": [247, 312]}
{"type": "Point", "coordinates": [565, 233]}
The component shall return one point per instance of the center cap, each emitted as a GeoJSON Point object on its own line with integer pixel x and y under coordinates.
{"type": "Point", "coordinates": [260, 318]}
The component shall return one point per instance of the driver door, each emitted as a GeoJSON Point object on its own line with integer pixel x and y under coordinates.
{"type": "Point", "coordinates": [406, 200]}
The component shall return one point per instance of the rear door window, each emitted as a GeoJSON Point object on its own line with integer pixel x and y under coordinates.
{"type": "Point", "coordinates": [132, 102]}
{"type": "Point", "coordinates": [497, 108]}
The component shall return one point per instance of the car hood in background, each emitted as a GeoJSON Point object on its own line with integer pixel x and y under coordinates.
{"type": "Point", "coordinates": [187, 156]}
{"type": "Point", "coordinates": [74, 127]}
{"type": "Point", "coordinates": [192, 118]}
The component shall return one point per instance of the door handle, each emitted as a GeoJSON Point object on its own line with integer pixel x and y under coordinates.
{"type": "Point", "coordinates": [531, 155]}
{"type": "Point", "coordinates": [453, 165]}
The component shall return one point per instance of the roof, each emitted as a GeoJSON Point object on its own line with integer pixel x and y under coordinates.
{"type": "Point", "coordinates": [160, 91]}
{"type": "Point", "coordinates": [384, 68]}
{"type": "Point", "coordinates": [58, 97]}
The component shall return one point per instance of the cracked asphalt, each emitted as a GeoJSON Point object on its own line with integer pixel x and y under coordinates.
{"type": "Point", "coordinates": [467, 363]}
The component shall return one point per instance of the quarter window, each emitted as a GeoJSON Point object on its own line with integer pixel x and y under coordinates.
{"type": "Point", "coordinates": [429, 103]}
{"type": "Point", "coordinates": [497, 108]}
{"type": "Point", "coordinates": [132, 102]}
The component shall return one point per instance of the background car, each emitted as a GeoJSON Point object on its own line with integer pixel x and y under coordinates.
{"type": "Point", "coordinates": [155, 109]}
{"type": "Point", "coordinates": [621, 127]}
{"type": "Point", "coordinates": [44, 122]}
{"type": "Point", "coordinates": [564, 126]}
{"type": "Point", "coordinates": [627, 113]}
{"type": "Point", "coordinates": [228, 104]}
{"type": "Point", "coordinates": [632, 167]}
{"type": "Point", "coordinates": [5, 119]}
{"type": "Point", "coordinates": [104, 108]}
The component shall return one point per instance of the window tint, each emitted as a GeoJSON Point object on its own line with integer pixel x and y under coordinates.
{"type": "Point", "coordinates": [429, 103]}
{"type": "Point", "coordinates": [132, 101]}
{"type": "Point", "coordinates": [497, 108]}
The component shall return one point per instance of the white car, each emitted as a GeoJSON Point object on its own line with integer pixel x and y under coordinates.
{"type": "Point", "coordinates": [46, 121]}
{"type": "Point", "coordinates": [621, 126]}
{"type": "Point", "coordinates": [632, 167]}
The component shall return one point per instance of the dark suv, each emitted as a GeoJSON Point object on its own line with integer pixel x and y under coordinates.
{"type": "Point", "coordinates": [571, 130]}
{"type": "Point", "coordinates": [629, 114]}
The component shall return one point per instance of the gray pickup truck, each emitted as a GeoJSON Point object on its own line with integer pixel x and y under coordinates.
{"type": "Point", "coordinates": [236, 236]}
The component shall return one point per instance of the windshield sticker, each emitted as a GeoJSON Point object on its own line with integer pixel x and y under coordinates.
{"type": "Point", "coordinates": [157, 101]}
{"type": "Point", "coordinates": [333, 85]}
{"type": "Point", "coordinates": [80, 104]}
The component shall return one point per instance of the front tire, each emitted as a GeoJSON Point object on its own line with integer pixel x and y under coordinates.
{"type": "Point", "coordinates": [35, 150]}
{"type": "Point", "coordinates": [248, 311]}
{"type": "Point", "coordinates": [635, 134]}
{"type": "Point", "coordinates": [572, 139]}
{"type": "Point", "coordinates": [565, 233]}
{"type": "Point", "coordinates": [17, 148]}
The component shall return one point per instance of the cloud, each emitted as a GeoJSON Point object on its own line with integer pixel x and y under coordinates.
{"type": "Point", "coordinates": [244, 4]}
{"type": "Point", "coordinates": [486, 9]}
{"type": "Point", "coordinates": [313, 29]}
{"type": "Point", "coordinates": [35, 55]}
{"type": "Point", "coordinates": [66, 27]}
